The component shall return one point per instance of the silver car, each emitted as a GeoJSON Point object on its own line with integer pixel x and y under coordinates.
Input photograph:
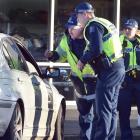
{"type": "Point", "coordinates": [30, 107]}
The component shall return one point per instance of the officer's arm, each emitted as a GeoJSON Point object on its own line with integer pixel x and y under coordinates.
{"type": "Point", "coordinates": [60, 54]}
{"type": "Point", "coordinates": [94, 35]}
{"type": "Point", "coordinates": [54, 57]}
{"type": "Point", "coordinates": [51, 55]}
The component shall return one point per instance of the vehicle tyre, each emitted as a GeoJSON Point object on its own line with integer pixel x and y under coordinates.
{"type": "Point", "coordinates": [15, 129]}
{"type": "Point", "coordinates": [59, 125]}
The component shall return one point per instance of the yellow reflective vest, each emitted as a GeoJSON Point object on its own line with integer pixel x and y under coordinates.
{"type": "Point", "coordinates": [65, 54]}
{"type": "Point", "coordinates": [111, 43]}
{"type": "Point", "coordinates": [131, 53]}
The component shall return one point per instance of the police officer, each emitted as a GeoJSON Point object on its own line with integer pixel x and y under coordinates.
{"type": "Point", "coordinates": [71, 49]}
{"type": "Point", "coordinates": [104, 54]}
{"type": "Point", "coordinates": [130, 90]}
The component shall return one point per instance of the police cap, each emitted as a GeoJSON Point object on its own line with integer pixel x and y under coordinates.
{"type": "Point", "coordinates": [84, 7]}
{"type": "Point", "coordinates": [131, 23]}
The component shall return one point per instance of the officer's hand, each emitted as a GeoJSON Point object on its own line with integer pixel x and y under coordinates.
{"type": "Point", "coordinates": [80, 65]}
{"type": "Point", "coordinates": [48, 54]}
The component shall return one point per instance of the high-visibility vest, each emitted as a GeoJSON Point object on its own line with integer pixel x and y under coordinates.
{"type": "Point", "coordinates": [112, 47]}
{"type": "Point", "coordinates": [131, 53]}
{"type": "Point", "coordinates": [65, 54]}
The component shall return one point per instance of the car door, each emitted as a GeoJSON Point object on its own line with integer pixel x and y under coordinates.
{"type": "Point", "coordinates": [41, 98]}
{"type": "Point", "coordinates": [19, 75]}
{"type": "Point", "coordinates": [30, 60]}
{"type": "Point", "coordinates": [29, 88]}
{"type": "Point", "coordinates": [44, 101]}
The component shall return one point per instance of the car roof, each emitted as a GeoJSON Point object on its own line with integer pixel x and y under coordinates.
{"type": "Point", "coordinates": [2, 35]}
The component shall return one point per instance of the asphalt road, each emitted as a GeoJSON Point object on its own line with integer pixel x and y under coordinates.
{"type": "Point", "coordinates": [72, 127]}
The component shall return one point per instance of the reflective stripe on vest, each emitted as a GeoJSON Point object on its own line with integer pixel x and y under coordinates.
{"type": "Point", "coordinates": [85, 75]}
{"type": "Point", "coordinates": [87, 97]}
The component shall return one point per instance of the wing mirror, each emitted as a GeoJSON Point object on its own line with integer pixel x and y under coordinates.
{"type": "Point", "coordinates": [52, 72]}
{"type": "Point", "coordinates": [56, 73]}
{"type": "Point", "coordinates": [64, 74]}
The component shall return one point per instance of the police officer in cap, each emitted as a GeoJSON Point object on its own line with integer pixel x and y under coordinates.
{"type": "Point", "coordinates": [130, 90]}
{"type": "Point", "coordinates": [104, 53]}
{"type": "Point", "coordinates": [70, 49]}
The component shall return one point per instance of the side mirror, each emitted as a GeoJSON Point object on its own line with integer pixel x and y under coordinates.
{"type": "Point", "coordinates": [64, 74]}
{"type": "Point", "coordinates": [51, 73]}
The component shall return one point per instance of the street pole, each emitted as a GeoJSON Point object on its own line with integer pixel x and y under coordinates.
{"type": "Point", "coordinates": [52, 24]}
{"type": "Point", "coordinates": [117, 3]}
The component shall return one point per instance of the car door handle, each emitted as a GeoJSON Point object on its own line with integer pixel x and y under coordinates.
{"type": "Point", "coordinates": [19, 80]}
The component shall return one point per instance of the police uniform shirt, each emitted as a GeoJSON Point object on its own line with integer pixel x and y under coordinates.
{"type": "Point", "coordinates": [94, 34]}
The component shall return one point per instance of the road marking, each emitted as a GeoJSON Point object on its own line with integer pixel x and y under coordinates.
{"type": "Point", "coordinates": [71, 105]}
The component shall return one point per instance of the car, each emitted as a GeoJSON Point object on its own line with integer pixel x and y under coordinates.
{"type": "Point", "coordinates": [31, 107]}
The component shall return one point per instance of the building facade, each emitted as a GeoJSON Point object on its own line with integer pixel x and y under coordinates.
{"type": "Point", "coordinates": [45, 19]}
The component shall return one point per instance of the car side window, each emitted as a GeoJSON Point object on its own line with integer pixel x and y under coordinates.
{"type": "Point", "coordinates": [8, 59]}
{"type": "Point", "coordinates": [13, 56]}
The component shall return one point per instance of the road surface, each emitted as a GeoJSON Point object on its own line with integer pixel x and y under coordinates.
{"type": "Point", "coordinates": [72, 127]}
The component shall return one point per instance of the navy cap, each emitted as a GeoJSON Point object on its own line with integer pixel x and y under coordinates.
{"type": "Point", "coordinates": [72, 21]}
{"type": "Point", "coordinates": [84, 7]}
{"type": "Point", "coordinates": [131, 23]}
